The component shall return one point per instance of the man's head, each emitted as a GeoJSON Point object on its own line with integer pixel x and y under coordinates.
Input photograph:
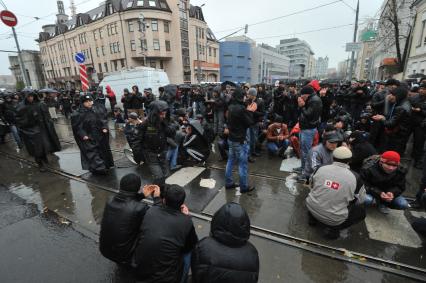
{"type": "Point", "coordinates": [174, 196]}
{"type": "Point", "coordinates": [306, 91]}
{"type": "Point", "coordinates": [342, 154]}
{"type": "Point", "coordinates": [422, 89]}
{"type": "Point", "coordinates": [331, 140]}
{"type": "Point", "coordinates": [130, 183]}
{"type": "Point", "coordinates": [30, 97]}
{"type": "Point", "coordinates": [252, 93]}
{"type": "Point", "coordinates": [87, 100]}
{"type": "Point", "coordinates": [397, 94]}
{"type": "Point", "coordinates": [390, 160]}
{"type": "Point", "coordinates": [392, 84]}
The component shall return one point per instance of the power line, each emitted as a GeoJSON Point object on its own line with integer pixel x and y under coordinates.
{"type": "Point", "coordinates": [284, 16]}
{"type": "Point", "coordinates": [349, 6]}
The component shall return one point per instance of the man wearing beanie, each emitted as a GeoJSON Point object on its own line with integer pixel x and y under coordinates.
{"type": "Point", "coordinates": [336, 195]}
{"type": "Point", "coordinates": [384, 180]}
{"type": "Point", "coordinates": [122, 218]}
{"type": "Point", "coordinates": [310, 116]}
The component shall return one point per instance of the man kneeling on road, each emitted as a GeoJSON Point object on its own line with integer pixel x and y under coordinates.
{"type": "Point", "coordinates": [336, 196]}
{"type": "Point", "coordinates": [122, 219]}
{"type": "Point", "coordinates": [166, 239]}
{"type": "Point", "coordinates": [384, 180]}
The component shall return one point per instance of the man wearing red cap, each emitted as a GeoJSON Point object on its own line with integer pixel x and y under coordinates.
{"type": "Point", "coordinates": [384, 180]}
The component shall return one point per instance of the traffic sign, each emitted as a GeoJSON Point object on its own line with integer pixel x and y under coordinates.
{"type": "Point", "coordinates": [353, 46]}
{"type": "Point", "coordinates": [8, 18]}
{"type": "Point", "coordinates": [79, 58]}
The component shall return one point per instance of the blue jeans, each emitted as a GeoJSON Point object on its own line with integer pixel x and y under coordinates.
{"type": "Point", "coordinates": [186, 266]}
{"type": "Point", "coordinates": [398, 203]}
{"type": "Point", "coordinates": [254, 134]}
{"type": "Point", "coordinates": [237, 152]}
{"type": "Point", "coordinates": [15, 135]}
{"type": "Point", "coordinates": [306, 140]}
{"type": "Point", "coordinates": [273, 147]}
{"type": "Point", "coordinates": [171, 156]}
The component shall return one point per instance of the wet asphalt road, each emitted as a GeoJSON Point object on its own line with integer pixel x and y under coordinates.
{"type": "Point", "coordinates": [50, 249]}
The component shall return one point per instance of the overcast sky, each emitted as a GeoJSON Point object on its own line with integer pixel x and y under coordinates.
{"type": "Point", "coordinates": [223, 17]}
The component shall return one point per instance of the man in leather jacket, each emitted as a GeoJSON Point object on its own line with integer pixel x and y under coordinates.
{"type": "Point", "coordinates": [123, 215]}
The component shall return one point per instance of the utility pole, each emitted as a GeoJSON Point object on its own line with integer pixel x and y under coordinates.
{"type": "Point", "coordinates": [351, 69]}
{"type": "Point", "coordinates": [21, 62]}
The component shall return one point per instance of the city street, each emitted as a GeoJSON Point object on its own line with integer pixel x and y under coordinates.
{"type": "Point", "coordinates": [50, 222]}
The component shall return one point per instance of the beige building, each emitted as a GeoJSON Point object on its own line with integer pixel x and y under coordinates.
{"type": "Point", "coordinates": [363, 67]}
{"type": "Point", "coordinates": [416, 63]}
{"type": "Point", "coordinates": [123, 34]}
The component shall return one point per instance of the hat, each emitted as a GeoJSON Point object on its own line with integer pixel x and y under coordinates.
{"type": "Point", "coordinates": [392, 82]}
{"type": "Point", "coordinates": [281, 82]}
{"type": "Point", "coordinates": [390, 157]}
{"type": "Point", "coordinates": [332, 137]}
{"type": "Point", "coordinates": [85, 97]}
{"type": "Point", "coordinates": [315, 85]}
{"type": "Point", "coordinates": [291, 83]}
{"type": "Point", "coordinates": [130, 183]}
{"type": "Point", "coordinates": [252, 91]}
{"type": "Point", "coordinates": [342, 153]}
{"type": "Point", "coordinates": [307, 90]}
{"type": "Point", "coordinates": [133, 115]}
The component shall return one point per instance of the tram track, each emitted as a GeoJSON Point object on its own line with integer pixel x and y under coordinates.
{"type": "Point", "coordinates": [389, 266]}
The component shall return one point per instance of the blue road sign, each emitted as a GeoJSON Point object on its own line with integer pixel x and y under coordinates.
{"type": "Point", "coordinates": [79, 57]}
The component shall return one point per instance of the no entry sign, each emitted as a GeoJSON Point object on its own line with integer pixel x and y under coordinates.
{"type": "Point", "coordinates": [8, 18]}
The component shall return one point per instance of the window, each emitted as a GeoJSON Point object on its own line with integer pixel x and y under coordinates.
{"type": "Point", "coordinates": [152, 3]}
{"type": "Point", "coordinates": [122, 64]}
{"type": "Point", "coordinates": [97, 51]}
{"type": "Point", "coordinates": [168, 45]}
{"type": "Point", "coordinates": [130, 26]}
{"type": "Point", "coordinates": [94, 35]}
{"type": "Point", "coordinates": [130, 4]}
{"type": "Point", "coordinates": [103, 50]}
{"type": "Point", "coordinates": [156, 44]}
{"type": "Point", "coordinates": [214, 52]}
{"type": "Point", "coordinates": [100, 68]}
{"type": "Point", "coordinates": [210, 51]}
{"type": "Point", "coordinates": [163, 4]}
{"type": "Point", "coordinates": [140, 3]}
{"type": "Point", "coordinates": [100, 33]}
{"type": "Point", "coordinates": [166, 27]}
{"type": "Point", "coordinates": [106, 67]}
{"type": "Point", "coordinates": [115, 65]}
{"type": "Point", "coordinates": [153, 64]}
{"type": "Point", "coordinates": [132, 45]}
{"type": "Point", "coordinates": [144, 45]}
{"type": "Point", "coordinates": [110, 9]}
{"type": "Point", "coordinates": [154, 25]}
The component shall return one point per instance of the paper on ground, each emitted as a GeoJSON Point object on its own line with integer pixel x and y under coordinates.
{"type": "Point", "coordinates": [287, 165]}
{"type": "Point", "coordinates": [208, 183]}
{"type": "Point", "coordinates": [184, 176]}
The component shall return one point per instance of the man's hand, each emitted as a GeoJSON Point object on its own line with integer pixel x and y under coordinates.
{"type": "Point", "coordinates": [85, 138]}
{"type": "Point", "coordinates": [323, 92]}
{"type": "Point", "coordinates": [300, 102]}
{"type": "Point", "coordinates": [415, 109]}
{"type": "Point", "coordinates": [184, 209]}
{"type": "Point", "coordinates": [104, 131]}
{"type": "Point", "coordinates": [151, 190]}
{"type": "Point", "coordinates": [385, 197]}
{"type": "Point", "coordinates": [378, 118]}
{"type": "Point", "coordinates": [252, 107]}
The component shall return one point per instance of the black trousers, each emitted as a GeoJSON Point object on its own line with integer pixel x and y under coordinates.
{"type": "Point", "coordinates": [356, 215]}
{"type": "Point", "coordinates": [418, 143]}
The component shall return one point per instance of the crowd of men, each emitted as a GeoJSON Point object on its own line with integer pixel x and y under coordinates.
{"type": "Point", "coordinates": [351, 138]}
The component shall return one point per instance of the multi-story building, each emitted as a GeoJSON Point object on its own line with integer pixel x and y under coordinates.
{"type": "Point", "coordinates": [384, 58]}
{"type": "Point", "coordinates": [300, 54]}
{"type": "Point", "coordinates": [124, 34]}
{"type": "Point", "coordinates": [33, 68]}
{"type": "Point", "coordinates": [236, 59]}
{"type": "Point", "coordinates": [321, 67]}
{"type": "Point", "coordinates": [416, 63]}
{"type": "Point", "coordinates": [367, 37]}
{"type": "Point", "coordinates": [343, 69]}
{"type": "Point", "coordinates": [268, 65]}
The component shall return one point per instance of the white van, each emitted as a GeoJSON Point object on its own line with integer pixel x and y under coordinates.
{"type": "Point", "coordinates": [143, 77]}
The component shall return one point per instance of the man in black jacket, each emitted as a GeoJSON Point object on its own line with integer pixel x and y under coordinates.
{"type": "Point", "coordinates": [418, 111]}
{"type": "Point", "coordinates": [226, 256]}
{"type": "Point", "coordinates": [310, 116]}
{"type": "Point", "coordinates": [123, 215]}
{"type": "Point", "coordinates": [167, 237]}
{"type": "Point", "coordinates": [397, 122]}
{"type": "Point", "coordinates": [239, 120]}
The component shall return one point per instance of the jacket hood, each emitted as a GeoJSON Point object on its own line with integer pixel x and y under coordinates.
{"type": "Point", "coordinates": [108, 88]}
{"type": "Point", "coordinates": [315, 85]}
{"type": "Point", "coordinates": [231, 225]}
{"type": "Point", "coordinates": [400, 94]}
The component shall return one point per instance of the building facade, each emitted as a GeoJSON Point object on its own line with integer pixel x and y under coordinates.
{"type": "Point", "coordinates": [268, 65]}
{"type": "Point", "coordinates": [300, 54]}
{"type": "Point", "coordinates": [416, 63]}
{"type": "Point", "coordinates": [384, 58]}
{"type": "Point", "coordinates": [343, 69]}
{"type": "Point", "coordinates": [363, 67]}
{"type": "Point", "coordinates": [321, 67]}
{"type": "Point", "coordinates": [33, 67]}
{"type": "Point", "coordinates": [236, 59]}
{"type": "Point", "coordinates": [124, 34]}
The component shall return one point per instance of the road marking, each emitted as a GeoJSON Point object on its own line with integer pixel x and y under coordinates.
{"type": "Point", "coordinates": [184, 176]}
{"type": "Point", "coordinates": [392, 228]}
